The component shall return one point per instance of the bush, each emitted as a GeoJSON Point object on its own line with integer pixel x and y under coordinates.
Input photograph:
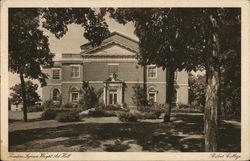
{"type": "Point", "coordinates": [127, 117]}
{"type": "Point", "coordinates": [35, 108]}
{"type": "Point", "coordinates": [69, 105]}
{"type": "Point", "coordinates": [68, 116]}
{"type": "Point", "coordinates": [101, 113]}
{"type": "Point", "coordinates": [49, 114]}
{"type": "Point", "coordinates": [156, 107]}
{"type": "Point", "coordinates": [109, 107]}
{"type": "Point", "coordinates": [47, 104]}
{"type": "Point", "coordinates": [183, 106]}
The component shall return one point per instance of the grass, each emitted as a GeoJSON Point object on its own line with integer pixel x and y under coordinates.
{"type": "Point", "coordinates": [184, 133]}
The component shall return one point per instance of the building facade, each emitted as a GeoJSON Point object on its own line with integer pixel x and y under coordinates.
{"type": "Point", "coordinates": [113, 67]}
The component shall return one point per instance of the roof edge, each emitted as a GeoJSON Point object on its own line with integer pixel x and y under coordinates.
{"type": "Point", "coordinates": [112, 34]}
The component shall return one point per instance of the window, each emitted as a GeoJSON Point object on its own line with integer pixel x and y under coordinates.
{"type": "Point", "coordinates": [74, 96]}
{"type": "Point", "coordinates": [55, 95]}
{"type": "Point", "coordinates": [152, 71]}
{"type": "Point", "coordinates": [113, 97]}
{"type": "Point", "coordinates": [152, 95]}
{"type": "Point", "coordinates": [56, 74]}
{"type": "Point", "coordinates": [75, 71]}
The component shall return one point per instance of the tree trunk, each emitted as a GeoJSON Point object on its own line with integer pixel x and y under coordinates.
{"type": "Point", "coordinates": [24, 98]}
{"type": "Point", "coordinates": [211, 117]}
{"type": "Point", "coordinates": [169, 93]}
{"type": "Point", "coordinates": [211, 112]}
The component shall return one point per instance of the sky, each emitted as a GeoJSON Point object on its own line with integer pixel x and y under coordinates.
{"type": "Point", "coordinates": [71, 42]}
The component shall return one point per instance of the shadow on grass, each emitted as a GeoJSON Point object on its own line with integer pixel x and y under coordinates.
{"type": "Point", "coordinates": [184, 133]}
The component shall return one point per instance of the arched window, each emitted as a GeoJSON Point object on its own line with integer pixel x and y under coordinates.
{"type": "Point", "coordinates": [152, 93]}
{"type": "Point", "coordinates": [55, 95]}
{"type": "Point", "coordinates": [74, 95]}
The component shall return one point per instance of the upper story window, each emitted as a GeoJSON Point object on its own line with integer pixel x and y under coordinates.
{"type": "Point", "coordinates": [75, 71]}
{"type": "Point", "coordinates": [152, 71]}
{"type": "Point", "coordinates": [55, 73]}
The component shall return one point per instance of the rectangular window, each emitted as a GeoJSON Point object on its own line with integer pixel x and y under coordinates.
{"type": "Point", "coordinates": [56, 74]}
{"type": "Point", "coordinates": [74, 97]}
{"type": "Point", "coordinates": [113, 97]}
{"type": "Point", "coordinates": [75, 71]}
{"type": "Point", "coordinates": [152, 72]}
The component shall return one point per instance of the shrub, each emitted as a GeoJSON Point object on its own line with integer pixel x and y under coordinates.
{"type": "Point", "coordinates": [49, 114]}
{"type": "Point", "coordinates": [109, 107]}
{"type": "Point", "coordinates": [47, 104]}
{"type": "Point", "coordinates": [127, 117]}
{"type": "Point", "coordinates": [68, 116]}
{"type": "Point", "coordinates": [183, 106]}
{"type": "Point", "coordinates": [69, 105]}
{"type": "Point", "coordinates": [139, 97]}
{"type": "Point", "coordinates": [35, 108]}
{"type": "Point", "coordinates": [101, 113]}
{"type": "Point", "coordinates": [91, 97]}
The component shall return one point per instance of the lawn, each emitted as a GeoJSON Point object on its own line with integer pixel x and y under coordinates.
{"type": "Point", "coordinates": [183, 134]}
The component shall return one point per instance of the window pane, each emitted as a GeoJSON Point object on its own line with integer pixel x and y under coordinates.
{"type": "Point", "coordinates": [115, 98]}
{"type": "Point", "coordinates": [110, 98]}
{"type": "Point", "coordinates": [56, 74]}
{"type": "Point", "coordinates": [152, 72]}
{"type": "Point", "coordinates": [56, 94]}
{"type": "Point", "coordinates": [75, 71]}
{"type": "Point", "coordinates": [74, 97]}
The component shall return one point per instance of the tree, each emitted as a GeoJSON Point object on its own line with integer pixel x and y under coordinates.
{"type": "Point", "coordinates": [197, 85]}
{"type": "Point", "coordinates": [139, 97]}
{"type": "Point", "coordinates": [171, 47]}
{"type": "Point", "coordinates": [29, 47]}
{"type": "Point", "coordinates": [188, 39]}
{"type": "Point", "coordinates": [31, 94]}
{"type": "Point", "coordinates": [91, 98]}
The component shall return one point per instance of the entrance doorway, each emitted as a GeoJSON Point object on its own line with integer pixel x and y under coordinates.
{"type": "Point", "coordinates": [113, 97]}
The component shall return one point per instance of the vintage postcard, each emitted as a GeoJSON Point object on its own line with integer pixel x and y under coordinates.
{"type": "Point", "coordinates": [125, 80]}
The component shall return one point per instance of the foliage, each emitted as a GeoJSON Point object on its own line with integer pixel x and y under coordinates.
{"type": "Point", "coordinates": [35, 108]}
{"type": "Point", "coordinates": [49, 114]}
{"type": "Point", "coordinates": [156, 107]}
{"type": "Point", "coordinates": [47, 104]}
{"type": "Point", "coordinates": [139, 97]}
{"type": "Point", "coordinates": [69, 105]}
{"type": "Point", "coordinates": [31, 94]}
{"type": "Point", "coordinates": [187, 110]}
{"type": "Point", "coordinates": [91, 98]}
{"type": "Point", "coordinates": [101, 113]}
{"type": "Point", "coordinates": [189, 39]}
{"type": "Point", "coordinates": [127, 117]}
{"type": "Point", "coordinates": [110, 107]}
{"type": "Point", "coordinates": [196, 93]}
{"type": "Point", "coordinates": [68, 116]}
{"type": "Point", "coordinates": [29, 47]}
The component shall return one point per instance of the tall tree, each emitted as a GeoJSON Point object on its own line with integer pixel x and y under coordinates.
{"type": "Point", "coordinates": [188, 39]}
{"type": "Point", "coordinates": [29, 47]}
{"type": "Point", "coordinates": [31, 94]}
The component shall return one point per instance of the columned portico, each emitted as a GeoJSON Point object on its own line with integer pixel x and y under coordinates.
{"type": "Point", "coordinates": [113, 90]}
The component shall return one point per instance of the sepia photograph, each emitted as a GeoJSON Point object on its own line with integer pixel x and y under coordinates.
{"type": "Point", "coordinates": [161, 80]}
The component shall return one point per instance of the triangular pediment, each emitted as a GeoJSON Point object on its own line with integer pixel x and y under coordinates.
{"type": "Point", "coordinates": [114, 49]}
{"type": "Point", "coordinates": [114, 45]}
